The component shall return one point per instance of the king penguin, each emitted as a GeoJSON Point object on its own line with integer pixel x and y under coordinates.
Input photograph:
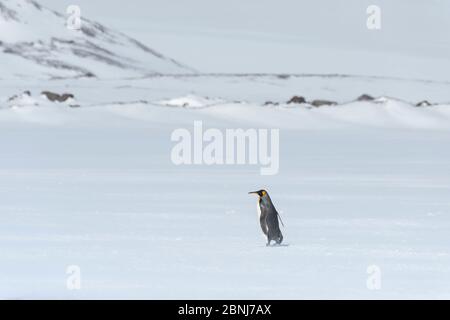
{"type": "Point", "coordinates": [268, 217]}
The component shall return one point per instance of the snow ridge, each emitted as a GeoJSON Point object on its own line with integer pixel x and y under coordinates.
{"type": "Point", "coordinates": [39, 35]}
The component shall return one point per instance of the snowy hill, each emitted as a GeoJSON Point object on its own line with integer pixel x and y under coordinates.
{"type": "Point", "coordinates": [34, 41]}
{"type": "Point", "coordinates": [290, 36]}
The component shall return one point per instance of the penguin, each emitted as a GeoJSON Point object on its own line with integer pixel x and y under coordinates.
{"type": "Point", "coordinates": [268, 217]}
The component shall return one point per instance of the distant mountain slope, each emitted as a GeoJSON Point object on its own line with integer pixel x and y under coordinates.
{"type": "Point", "coordinates": [35, 42]}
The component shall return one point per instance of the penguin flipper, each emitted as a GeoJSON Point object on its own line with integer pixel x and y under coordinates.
{"type": "Point", "coordinates": [279, 217]}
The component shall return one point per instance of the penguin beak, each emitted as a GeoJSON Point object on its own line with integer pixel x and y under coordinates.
{"type": "Point", "coordinates": [253, 192]}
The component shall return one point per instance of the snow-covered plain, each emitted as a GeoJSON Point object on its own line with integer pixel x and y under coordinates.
{"type": "Point", "coordinates": [360, 183]}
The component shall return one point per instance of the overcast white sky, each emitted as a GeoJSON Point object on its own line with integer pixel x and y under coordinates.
{"type": "Point", "coordinates": [273, 36]}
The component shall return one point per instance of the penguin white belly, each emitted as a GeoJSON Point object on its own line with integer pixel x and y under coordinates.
{"type": "Point", "coordinates": [258, 209]}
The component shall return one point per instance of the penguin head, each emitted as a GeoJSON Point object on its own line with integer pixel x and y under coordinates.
{"type": "Point", "coordinates": [261, 193]}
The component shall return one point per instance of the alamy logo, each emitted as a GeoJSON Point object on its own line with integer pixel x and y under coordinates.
{"type": "Point", "coordinates": [74, 17]}
{"type": "Point", "coordinates": [374, 17]}
{"type": "Point", "coordinates": [73, 281]}
{"type": "Point", "coordinates": [373, 281]}
{"type": "Point", "coordinates": [233, 146]}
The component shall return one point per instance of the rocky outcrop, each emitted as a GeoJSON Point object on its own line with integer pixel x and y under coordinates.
{"type": "Point", "coordinates": [55, 97]}
{"type": "Point", "coordinates": [297, 99]}
{"type": "Point", "coordinates": [424, 103]}
{"type": "Point", "coordinates": [271, 103]}
{"type": "Point", "coordinates": [365, 97]}
{"type": "Point", "coordinates": [320, 103]}
{"type": "Point", "coordinates": [16, 96]}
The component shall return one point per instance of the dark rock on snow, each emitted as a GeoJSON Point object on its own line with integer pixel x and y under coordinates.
{"type": "Point", "coordinates": [14, 97]}
{"type": "Point", "coordinates": [297, 99]}
{"type": "Point", "coordinates": [365, 97]}
{"type": "Point", "coordinates": [57, 97]}
{"type": "Point", "coordinates": [319, 103]}
{"type": "Point", "coordinates": [424, 103]}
